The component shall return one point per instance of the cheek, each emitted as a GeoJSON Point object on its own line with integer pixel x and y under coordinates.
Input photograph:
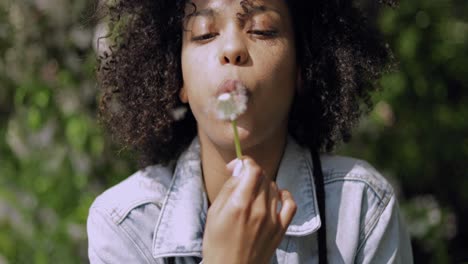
{"type": "Point", "coordinates": [190, 71]}
{"type": "Point", "coordinates": [279, 76]}
{"type": "Point", "coordinates": [276, 63]}
{"type": "Point", "coordinates": [196, 78]}
{"type": "Point", "coordinates": [284, 62]}
{"type": "Point", "coordinates": [194, 73]}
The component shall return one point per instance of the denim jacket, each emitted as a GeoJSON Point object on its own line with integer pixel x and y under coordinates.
{"type": "Point", "coordinates": [159, 213]}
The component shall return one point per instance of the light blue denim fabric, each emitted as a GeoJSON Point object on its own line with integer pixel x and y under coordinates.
{"type": "Point", "coordinates": [160, 212]}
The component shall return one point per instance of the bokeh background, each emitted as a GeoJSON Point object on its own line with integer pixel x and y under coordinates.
{"type": "Point", "coordinates": [55, 158]}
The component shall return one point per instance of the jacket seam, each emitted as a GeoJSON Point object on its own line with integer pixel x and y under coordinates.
{"type": "Point", "coordinates": [162, 211]}
{"type": "Point", "coordinates": [116, 227]}
{"type": "Point", "coordinates": [287, 248]}
{"type": "Point", "coordinates": [115, 213]}
{"type": "Point", "coordinates": [309, 167]}
{"type": "Point", "coordinates": [372, 225]}
{"type": "Point", "coordinates": [134, 205]}
{"type": "Point", "coordinates": [334, 174]}
{"type": "Point", "coordinates": [383, 201]}
{"type": "Point", "coordinates": [195, 254]}
{"type": "Point", "coordinates": [373, 219]}
{"type": "Point", "coordinates": [313, 193]}
{"type": "Point", "coordinates": [379, 195]}
{"type": "Point", "coordinates": [133, 238]}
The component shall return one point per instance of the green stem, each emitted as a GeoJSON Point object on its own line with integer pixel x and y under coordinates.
{"type": "Point", "coordinates": [236, 139]}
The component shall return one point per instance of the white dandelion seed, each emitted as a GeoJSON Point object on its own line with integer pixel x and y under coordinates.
{"type": "Point", "coordinates": [179, 113]}
{"type": "Point", "coordinates": [229, 106]}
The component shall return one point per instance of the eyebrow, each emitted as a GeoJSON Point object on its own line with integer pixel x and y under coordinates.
{"type": "Point", "coordinates": [215, 12]}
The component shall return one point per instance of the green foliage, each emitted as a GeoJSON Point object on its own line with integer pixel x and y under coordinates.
{"type": "Point", "coordinates": [55, 159]}
{"type": "Point", "coordinates": [417, 133]}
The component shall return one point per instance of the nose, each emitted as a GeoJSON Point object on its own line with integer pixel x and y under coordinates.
{"type": "Point", "coordinates": [233, 51]}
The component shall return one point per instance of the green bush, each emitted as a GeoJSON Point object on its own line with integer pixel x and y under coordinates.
{"type": "Point", "coordinates": [55, 159]}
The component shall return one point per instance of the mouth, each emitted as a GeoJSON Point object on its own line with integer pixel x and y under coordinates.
{"type": "Point", "coordinates": [229, 86]}
{"type": "Point", "coordinates": [231, 99]}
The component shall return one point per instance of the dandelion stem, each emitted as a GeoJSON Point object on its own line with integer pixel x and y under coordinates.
{"type": "Point", "coordinates": [236, 139]}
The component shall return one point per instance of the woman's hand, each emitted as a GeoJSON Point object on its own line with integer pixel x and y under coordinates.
{"type": "Point", "coordinates": [242, 224]}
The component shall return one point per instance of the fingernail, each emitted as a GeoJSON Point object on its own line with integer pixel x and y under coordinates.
{"type": "Point", "coordinates": [231, 164]}
{"type": "Point", "coordinates": [237, 168]}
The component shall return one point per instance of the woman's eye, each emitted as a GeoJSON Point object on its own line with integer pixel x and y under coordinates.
{"type": "Point", "coordinates": [260, 33]}
{"type": "Point", "coordinates": [264, 33]}
{"type": "Point", "coordinates": [204, 37]}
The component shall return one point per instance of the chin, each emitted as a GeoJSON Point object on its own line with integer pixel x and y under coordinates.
{"type": "Point", "coordinates": [223, 136]}
{"type": "Point", "coordinates": [221, 133]}
{"type": "Point", "coordinates": [245, 135]}
{"type": "Point", "coordinates": [249, 136]}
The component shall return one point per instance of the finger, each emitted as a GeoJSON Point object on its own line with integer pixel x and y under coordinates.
{"type": "Point", "coordinates": [230, 166]}
{"type": "Point", "coordinates": [226, 191]}
{"type": "Point", "coordinates": [273, 199]}
{"type": "Point", "coordinates": [249, 181]}
{"type": "Point", "coordinates": [288, 209]}
{"type": "Point", "coordinates": [260, 206]}
{"type": "Point", "coordinates": [235, 167]}
{"type": "Point", "coordinates": [238, 168]}
{"type": "Point", "coordinates": [230, 184]}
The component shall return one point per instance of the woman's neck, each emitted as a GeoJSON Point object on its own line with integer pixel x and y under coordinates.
{"type": "Point", "coordinates": [267, 154]}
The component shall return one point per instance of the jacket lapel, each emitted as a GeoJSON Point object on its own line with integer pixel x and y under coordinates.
{"type": "Point", "coordinates": [181, 223]}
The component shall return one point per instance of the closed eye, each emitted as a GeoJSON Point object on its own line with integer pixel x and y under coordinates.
{"type": "Point", "coordinates": [261, 33]}
{"type": "Point", "coordinates": [204, 37]}
{"type": "Point", "coordinates": [264, 33]}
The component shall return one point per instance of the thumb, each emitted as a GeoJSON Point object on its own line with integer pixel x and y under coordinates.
{"type": "Point", "coordinates": [235, 167]}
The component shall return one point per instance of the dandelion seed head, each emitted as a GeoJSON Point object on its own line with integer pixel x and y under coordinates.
{"type": "Point", "coordinates": [229, 106]}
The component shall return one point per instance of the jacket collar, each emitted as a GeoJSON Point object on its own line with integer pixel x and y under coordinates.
{"type": "Point", "coordinates": [179, 229]}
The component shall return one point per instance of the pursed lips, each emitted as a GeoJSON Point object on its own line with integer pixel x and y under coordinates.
{"type": "Point", "coordinates": [228, 86]}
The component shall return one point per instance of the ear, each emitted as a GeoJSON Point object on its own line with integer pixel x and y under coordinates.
{"type": "Point", "coordinates": [183, 95]}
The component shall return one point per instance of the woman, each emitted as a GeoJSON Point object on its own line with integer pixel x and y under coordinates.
{"type": "Point", "coordinates": [306, 66]}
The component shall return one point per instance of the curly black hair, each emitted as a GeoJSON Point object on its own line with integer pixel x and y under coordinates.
{"type": "Point", "coordinates": [340, 54]}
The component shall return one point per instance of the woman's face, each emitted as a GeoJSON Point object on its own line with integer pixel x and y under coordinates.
{"type": "Point", "coordinates": [256, 50]}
